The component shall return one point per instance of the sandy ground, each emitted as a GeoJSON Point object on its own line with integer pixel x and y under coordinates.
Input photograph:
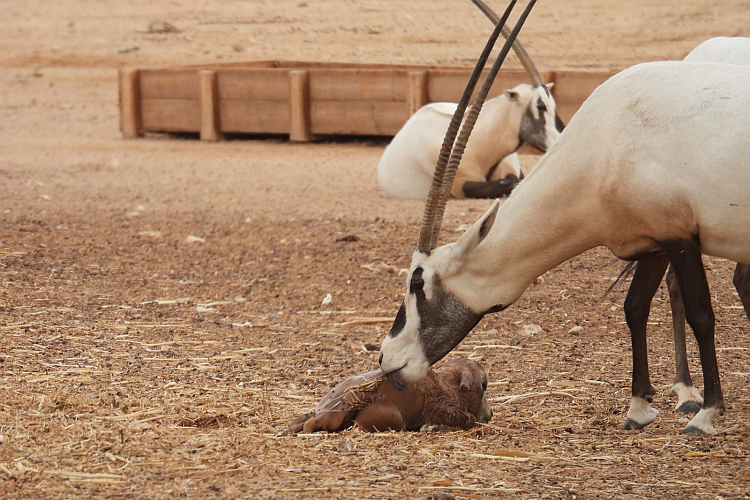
{"type": "Point", "coordinates": [137, 364]}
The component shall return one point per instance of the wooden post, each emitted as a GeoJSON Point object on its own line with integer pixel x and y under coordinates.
{"type": "Point", "coordinates": [209, 105]}
{"type": "Point", "coordinates": [416, 93]}
{"type": "Point", "coordinates": [299, 106]}
{"type": "Point", "coordinates": [130, 103]}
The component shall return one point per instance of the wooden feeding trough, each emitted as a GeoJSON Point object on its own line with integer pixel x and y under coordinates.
{"type": "Point", "coordinates": [306, 100]}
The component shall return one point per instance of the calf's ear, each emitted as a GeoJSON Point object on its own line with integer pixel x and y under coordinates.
{"type": "Point", "coordinates": [467, 379]}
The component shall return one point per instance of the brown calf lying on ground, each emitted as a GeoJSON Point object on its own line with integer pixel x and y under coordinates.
{"type": "Point", "coordinates": [452, 395]}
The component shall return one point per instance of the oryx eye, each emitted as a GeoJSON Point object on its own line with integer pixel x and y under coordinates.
{"type": "Point", "coordinates": [541, 107]}
{"type": "Point", "coordinates": [484, 385]}
{"type": "Point", "coordinates": [417, 284]}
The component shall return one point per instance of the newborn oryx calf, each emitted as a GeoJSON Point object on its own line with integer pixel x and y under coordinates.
{"type": "Point", "coordinates": [452, 395]}
{"type": "Point", "coordinates": [523, 114]}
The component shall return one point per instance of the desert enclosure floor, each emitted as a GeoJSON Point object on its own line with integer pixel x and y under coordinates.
{"type": "Point", "coordinates": [162, 311]}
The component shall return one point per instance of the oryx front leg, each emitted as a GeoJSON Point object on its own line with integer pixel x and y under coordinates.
{"type": "Point", "coordinates": [466, 185]}
{"type": "Point", "coordinates": [491, 189]}
{"type": "Point", "coordinates": [648, 274]}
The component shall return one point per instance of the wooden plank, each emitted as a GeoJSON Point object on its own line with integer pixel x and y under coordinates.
{"type": "Point", "coordinates": [573, 87]}
{"type": "Point", "coordinates": [362, 66]}
{"type": "Point", "coordinates": [255, 97]}
{"type": "Point", "coordinates": [416, 95]}
{"type": "Point", "coordinates": [357, 117]}
{"type": "Point", "coordinates": [299, 104]}
{"type": "Point", "coordinates": [254, 117]}
{"type": "Point", "coordinates": [447, 86]}
{"type": "Point", "coordinates": [130, 106]}
{"type": "Point", "coordinates": [263, 84]}
{"type": "Point", "coordinates": [234, 64]}
{"type": "Point", "coordinates": [169, 84]}
{"type": "Point", "coordinates": [171, 115]}
{"type": "Point", "coordinates": [566, 111]}
{"type": "Point", "coordinates": [357, 85]}
{"type": "Point", "coordinates": [209, 105]}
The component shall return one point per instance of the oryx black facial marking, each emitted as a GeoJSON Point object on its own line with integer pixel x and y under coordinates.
{"type": "Point", "coordinates": [443, 321]}
{"type": "Point", "coordinates": [559, 125]}
{"type": "Point", "coordinates": [534, 128]}
{"type": "Point", "coordinates": [417, 283]}
{"type": "Point", "coordinates": [398, 323]}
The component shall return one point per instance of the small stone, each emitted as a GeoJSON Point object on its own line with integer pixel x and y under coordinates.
{"type": "Point", "coordinates": [576, 330]}
{"type": "Point", "coordinates": [442, 495]}
{"type": "Point", "coordinates": [159, 26]}
{"type": "Point", "coordinates": [531, 329]}
{"type": "Point", "coordinates": [345, 445]}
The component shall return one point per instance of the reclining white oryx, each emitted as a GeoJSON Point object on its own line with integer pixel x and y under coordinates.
{"type": "Point", "coordinates": [490, 168]}
{"type": "Point", "coordinates": [730, 50]}
{"type": "Point", "coordinates": [632, 172]}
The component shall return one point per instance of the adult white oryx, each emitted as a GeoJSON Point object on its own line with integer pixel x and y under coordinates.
{"type": "Point", "coordinates": [653, 163]}
{"type": "Point", "coordinates": [729, 50]}
{"type": "Point", "coordinates": [490, 168]}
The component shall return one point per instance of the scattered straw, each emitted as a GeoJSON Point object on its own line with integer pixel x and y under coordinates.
{"type": "Point", "coordinates": [504, 400]}
{"type": "Point", "coordinates": [366, 321]}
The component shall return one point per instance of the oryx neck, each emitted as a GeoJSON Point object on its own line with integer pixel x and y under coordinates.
{"type": "Point", "coordinates": [540, 226]}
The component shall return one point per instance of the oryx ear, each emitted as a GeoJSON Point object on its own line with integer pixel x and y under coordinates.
{"type": "Point", "coordinates": [549, 85]}
{"type": "Point", "coordinates": [511, 95]}
{"type": "Point", "coordinates": [475, 234]}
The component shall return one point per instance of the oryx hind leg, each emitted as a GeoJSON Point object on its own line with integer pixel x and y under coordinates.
{"type": "Point", "coordinates": [689, 399]}
{"type": "Point", "coordinates": [742, 284]}
{"type": "Point", "coordinates": [686, 259]}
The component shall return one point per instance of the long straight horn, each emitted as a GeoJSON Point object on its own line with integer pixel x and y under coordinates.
{"type": "Point", "coordinates": [471, 119]}
{"type": "Point", "coordinates": [523, 56]}
{"type": "Point", "coordinates": [433, 198]}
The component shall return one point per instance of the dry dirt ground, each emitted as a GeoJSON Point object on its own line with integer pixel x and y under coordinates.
{"type": "Point", "coordinates": [136, 362]}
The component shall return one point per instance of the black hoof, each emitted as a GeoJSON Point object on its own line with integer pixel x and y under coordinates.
{"type": "Point", "coordinates": [632, 425]}
{"type": "Point", "coordinates": [692, 430]}
{"type": "Point", "coordinates": [689, 407]}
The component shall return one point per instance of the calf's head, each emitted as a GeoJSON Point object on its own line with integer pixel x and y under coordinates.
{"type": "Point", "coordinates": [470, 382]}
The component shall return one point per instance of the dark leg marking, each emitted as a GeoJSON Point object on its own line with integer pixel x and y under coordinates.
{"type": "Point", "coordinates": [646, 279]}
{"type": "Point", "coordinates": [491, 189]}
{"type": "Point", "coordinates": [742, 284]}
{"type": "Point", "coordinates": [685, 257]}
{"type": "Point", "coordinates": [682, 370]}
